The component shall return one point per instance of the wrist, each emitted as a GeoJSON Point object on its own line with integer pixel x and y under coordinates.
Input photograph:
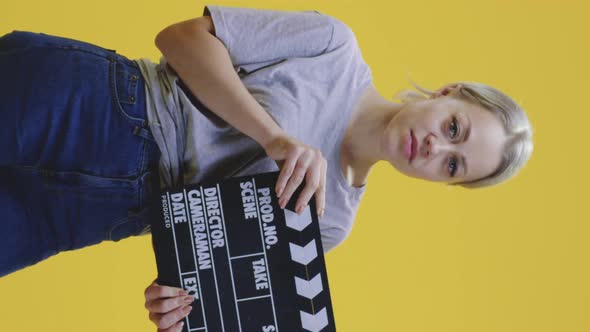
{"type": "Point", "coordinates": [269, 136]}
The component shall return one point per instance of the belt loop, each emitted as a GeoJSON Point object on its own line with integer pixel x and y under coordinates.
{"type": "Point", "coordinates": [143, 132]}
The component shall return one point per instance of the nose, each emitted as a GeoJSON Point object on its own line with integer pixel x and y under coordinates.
{"type": "Point", "coordinates": [432, 146]}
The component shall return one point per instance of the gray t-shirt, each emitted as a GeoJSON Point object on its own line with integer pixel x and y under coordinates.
{"type": "Point", "coordinates": [303, 67]}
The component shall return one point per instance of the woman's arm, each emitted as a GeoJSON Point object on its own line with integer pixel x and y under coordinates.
{"type": "Point", "coordinates": [202, 61]}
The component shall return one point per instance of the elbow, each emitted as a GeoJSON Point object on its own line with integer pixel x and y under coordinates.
{"type": "Point", "coordinates": [159, 40]}
{"type": "Point", "coordinates": [169, 37]}
{"type": "Point", "coordinates": [183, 31]}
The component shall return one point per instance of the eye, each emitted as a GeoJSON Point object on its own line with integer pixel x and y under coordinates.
{"type": "Point", "coordinates": [452, 163]}
{"type": "Point", "coordinates": [453, 127]}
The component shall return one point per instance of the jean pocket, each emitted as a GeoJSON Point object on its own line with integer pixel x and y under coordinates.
{"type": "Point", "coordinates": [140, 217]}
{"type": "Point", "coordinates": [138, 222]}
{"type": "Point", "coordinates": [120, 230]}
{"type": "Point", "coordinates": [91, 187]}
{"type": "Point", "coordinates": [126, 93]}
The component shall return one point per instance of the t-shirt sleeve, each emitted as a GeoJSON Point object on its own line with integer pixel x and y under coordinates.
{"type": "Point", "coordinates": [333, 238]}
{"type": "Point", "coordinates": [258, 37]}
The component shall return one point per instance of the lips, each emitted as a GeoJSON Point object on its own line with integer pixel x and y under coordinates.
{"type": "Point", "coordinates": [414, 146]}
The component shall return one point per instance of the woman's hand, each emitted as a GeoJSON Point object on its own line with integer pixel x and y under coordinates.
{"type": "Point", "coordinates": [298, 160]}
{"type": "Point", "coordinates": [167, 306]}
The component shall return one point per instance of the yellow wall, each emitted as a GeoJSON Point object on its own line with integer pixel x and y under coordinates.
{"type": "Point", "coordinates": [422, 257]}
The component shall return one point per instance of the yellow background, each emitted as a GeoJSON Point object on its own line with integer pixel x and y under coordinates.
{"type": "Point", "coordinates": [422, 257]}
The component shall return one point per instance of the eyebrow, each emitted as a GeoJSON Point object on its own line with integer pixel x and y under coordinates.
{"type": "Point", "coordinates": [465, 137]}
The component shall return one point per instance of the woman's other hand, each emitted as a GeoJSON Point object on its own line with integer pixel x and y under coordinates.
{"type": "Point", "coordinates": [298, 160]}
{"type": "Point", "coordinates": [167, 306]}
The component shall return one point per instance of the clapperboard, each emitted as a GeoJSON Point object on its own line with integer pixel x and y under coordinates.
{"type": "Point", "coordinates": [250, 265]}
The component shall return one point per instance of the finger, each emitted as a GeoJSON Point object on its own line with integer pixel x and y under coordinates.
{"type": "Point", "coordinates": [151, 285]}
{"type": "Point", "coordinates": [320, 197]}
{"type": "Point", "coordinates": [296, 177]}
{"type": "Point", "coordinates": [287, 170]}
{"type": "Point", "coordinates": [157, 291]}
{"type": "Point", "coordinates": [312, 182]}
{"type": "Point", "coordinates": [167, 320]}
{"type": "Point", "coordinates": [175, 328]}
{"type": "Point", "coordinates": [164, 305]}
{"type": "Point", "coordinates": [279, 185]}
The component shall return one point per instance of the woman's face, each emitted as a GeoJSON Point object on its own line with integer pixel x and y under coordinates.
{"type": "Point", "coordinates": [454, 140]}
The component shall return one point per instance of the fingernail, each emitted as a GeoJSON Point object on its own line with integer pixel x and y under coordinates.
{"type": "Point", "coordinates": [187, 309]}
{"type": "Point", "coordinates": [181, 324]}
{"type": "Point", "coordinates": [189, 299]}
{"type": "Point", "coordinates": [182, 292]}
{"type": "Point", "coordinates": [280, 192]}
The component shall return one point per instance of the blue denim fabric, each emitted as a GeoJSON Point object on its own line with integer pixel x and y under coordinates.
{"type": "Point", "coordinates": [78, 163]}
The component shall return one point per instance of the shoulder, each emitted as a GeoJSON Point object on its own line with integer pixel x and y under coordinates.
{"type": "Point", "coordinates": [342, 34]}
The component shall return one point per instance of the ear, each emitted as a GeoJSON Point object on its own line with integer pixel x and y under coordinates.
{"type": "Point", "coordinates": [447, 90]}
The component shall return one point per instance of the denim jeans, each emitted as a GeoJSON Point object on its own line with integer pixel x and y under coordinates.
{"type": "Point", "coordinates": [78, 163]}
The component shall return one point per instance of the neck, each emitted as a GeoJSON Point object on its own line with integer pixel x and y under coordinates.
{"type": "Point", "coordinates": [362, 144]}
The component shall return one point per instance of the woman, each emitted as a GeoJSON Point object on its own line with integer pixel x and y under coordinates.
{"type": "Point", "coordinates": [258, 87]}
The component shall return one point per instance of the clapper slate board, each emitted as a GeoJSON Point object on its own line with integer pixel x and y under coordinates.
{"type": "Point", "coordinates": [250, 265]}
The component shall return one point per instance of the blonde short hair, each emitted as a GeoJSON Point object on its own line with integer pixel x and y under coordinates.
{"type": "Point", "coordinates": [519, 132]}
